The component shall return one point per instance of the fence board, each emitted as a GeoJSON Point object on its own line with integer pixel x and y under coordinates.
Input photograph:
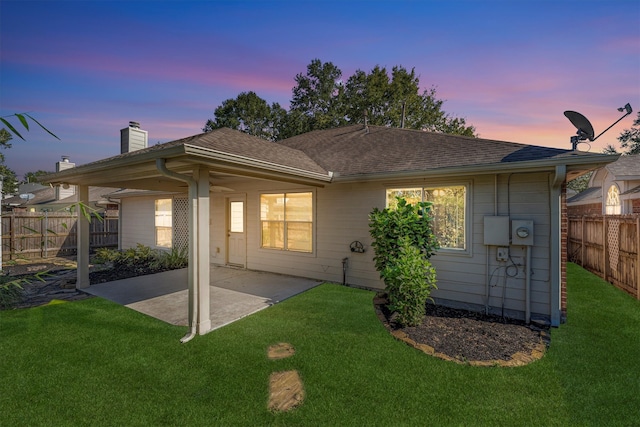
{"type": "Point", "coordinates": [608, 246]}
{"type": "Point", "coordinates": [51, 234]}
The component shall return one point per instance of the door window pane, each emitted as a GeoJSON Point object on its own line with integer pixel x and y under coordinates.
{"type": "Point", "coordinates": [236, 217]}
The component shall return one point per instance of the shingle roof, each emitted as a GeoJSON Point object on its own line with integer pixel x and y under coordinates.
{"type": "Point", "coordinates": [352, 150]}
{"type": "Point", "coordinates": [591, 194]}
{"type": "Point", "coordinates": [625, 166]}
{"type": "Point", "coordinates": [236, 143]}
{"type": "Point", "coordinates": [47, 196]}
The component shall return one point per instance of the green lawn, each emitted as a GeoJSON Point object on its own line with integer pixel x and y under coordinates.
{"type": "Point", "coordinates": [96, 363]}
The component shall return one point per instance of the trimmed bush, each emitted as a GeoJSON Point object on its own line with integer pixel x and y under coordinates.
{"type": "Point", "coordinates": [409, 282]}
{"type": "Point", "coordinates": [403, 241]}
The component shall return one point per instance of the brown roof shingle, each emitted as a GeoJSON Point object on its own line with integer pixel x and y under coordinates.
{"type": "Point", "coordinates": [352, 150]}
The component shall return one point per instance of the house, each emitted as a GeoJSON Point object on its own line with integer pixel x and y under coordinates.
{"type": "Point", "coordinates": [617, 184]}
{"type": "Point", "coordinates": [301, 206]}
{"type": "Point", "coordinates": [34, 197]}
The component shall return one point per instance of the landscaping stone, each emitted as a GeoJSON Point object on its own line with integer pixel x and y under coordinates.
{"type": "Point", "coordinates": [285, 391]}
{"type": "Point", "coordinates": [280, 351]}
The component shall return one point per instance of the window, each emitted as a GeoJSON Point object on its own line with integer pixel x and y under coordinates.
{"type": "Point", "coordinates": [448, 211]}
{"type": "Point", "coordinates": [613, 201]}
{"type": "Point", "coordinates": [287, 221]}
{"type": "Point", "coordinates": [164, 223]}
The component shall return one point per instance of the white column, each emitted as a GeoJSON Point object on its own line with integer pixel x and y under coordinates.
{"type": "Point", "coordinates": [204, 320]}
{"type": "Point", "coordinates": [82, 227]}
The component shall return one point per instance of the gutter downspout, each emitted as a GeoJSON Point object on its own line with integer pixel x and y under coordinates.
{"type": "Point", "coordinates": [556, 219]}
{"type": "Point", "coordinates": [193, 261]}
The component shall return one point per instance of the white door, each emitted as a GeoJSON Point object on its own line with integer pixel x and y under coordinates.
{"type": "Point", "coordinates": [236, 232]}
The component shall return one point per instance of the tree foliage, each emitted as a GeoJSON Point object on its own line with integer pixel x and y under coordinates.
{"type": "Point", "coordinates": [35, 176]}
{"type": "Point", "coordinates": [322, 100]}
{"type": "Point", "coordinates": [630, 138]}
{"type": "Point", "coordinates": [250, 114]}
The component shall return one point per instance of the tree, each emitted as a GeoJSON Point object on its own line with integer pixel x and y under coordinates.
{"type": "Point", "coordinates": [317, 101]}
{"type": "Point", "coordinates": [35, 176]}
{"type": "Point", "coordinates": [321, 100]}
{"type": "Point", "coordinates": [5, 137]}
{"type": "Point", "coordinates": [630, 138]}
{"type": "Point", "coordinates": [250, 114]}
{"type": "Point", "coordinates": [580, 183]}
{"type": "Point", "coordinates": [9, 180]}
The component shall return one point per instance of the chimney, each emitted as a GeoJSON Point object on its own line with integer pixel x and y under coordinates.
{"type": "Point", "coordinates": [133, 138]}
{"type": "Point", "coordinates": [61, 192]}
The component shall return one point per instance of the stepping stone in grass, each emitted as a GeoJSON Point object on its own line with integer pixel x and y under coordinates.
{"type": "Point", "coordinates": [285, 391]}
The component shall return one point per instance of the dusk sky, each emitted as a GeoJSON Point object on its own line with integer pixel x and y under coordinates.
{"type": "Point", "coordinates": [85, 69]}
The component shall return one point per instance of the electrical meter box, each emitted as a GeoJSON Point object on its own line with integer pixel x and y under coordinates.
{"type": "Point", "coordinates": [496, 230]}
{"type": "Point", "coordinates": [522, 232]}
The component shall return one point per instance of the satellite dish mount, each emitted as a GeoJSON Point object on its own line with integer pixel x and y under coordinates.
{"type": "Point", "coordinates": [585, 129]}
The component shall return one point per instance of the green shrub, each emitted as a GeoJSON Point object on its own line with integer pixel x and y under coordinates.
{"type": "Point", "coordinates": [174, 259]}
{"type": "Point", "coordinates": [139, 257]}
{"type": "Point", "coordinates": [409, 281]}
{"type": "Point", "coordinates": [389, 226]}
{"type": "Point", "coordinates": [403, 241]}
{"type": "Point", "coordinates": [105, 255]}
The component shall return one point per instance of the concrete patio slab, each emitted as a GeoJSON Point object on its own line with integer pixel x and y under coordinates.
{"type": "Point", "coordinates": [234, 293]}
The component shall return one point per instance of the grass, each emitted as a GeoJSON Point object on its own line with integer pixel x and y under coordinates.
{"type": "Point", "coordinates": [95, 363]}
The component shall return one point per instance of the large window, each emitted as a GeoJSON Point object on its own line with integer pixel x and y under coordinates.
{"type": "Point", "coordinates": [164, 223]}
{"type": "Point", "coordinates": [448, 210]}
{"type": "Point", "coordinates": [287, 221]}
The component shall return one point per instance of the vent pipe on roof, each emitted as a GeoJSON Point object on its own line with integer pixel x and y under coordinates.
{"type": "Point", "coordinates": [404, 104]}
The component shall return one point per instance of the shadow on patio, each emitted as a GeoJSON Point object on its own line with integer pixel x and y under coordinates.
{"type": "Point", "coordinates": [234, 293]}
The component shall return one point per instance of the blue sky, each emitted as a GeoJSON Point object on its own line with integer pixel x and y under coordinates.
{"type": "Point", "coordinates": [86, 68]}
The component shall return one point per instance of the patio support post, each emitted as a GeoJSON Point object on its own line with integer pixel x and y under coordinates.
{"type": "Point", "coordinates": [201, 176]}
{"type": "Point", "coordinates": [82, 227]}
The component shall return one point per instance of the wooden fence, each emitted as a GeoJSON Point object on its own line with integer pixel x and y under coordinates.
{"type": "Point", "coordinates": [51, 234]}
{"type": "Point", "coordinates": [608, 246]}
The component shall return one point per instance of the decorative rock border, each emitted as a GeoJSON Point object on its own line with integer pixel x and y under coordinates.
{"type": "Point", "coordinates": [518, 359]}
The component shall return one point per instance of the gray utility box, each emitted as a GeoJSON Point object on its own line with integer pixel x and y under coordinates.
{"type": "Point", "coordinates": [496, 230]}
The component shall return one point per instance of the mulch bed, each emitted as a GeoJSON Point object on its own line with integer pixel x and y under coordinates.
{"type": "Point", "coordinates": [465, 336]}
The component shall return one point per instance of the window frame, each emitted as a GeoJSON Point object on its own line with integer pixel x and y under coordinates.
{"type": "Point", "coordinates": [468, 203]}
{"type": "Point", "coordinates": [285, 222]}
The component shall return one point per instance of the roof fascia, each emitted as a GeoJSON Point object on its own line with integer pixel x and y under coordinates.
{"type": "Point", "coordinates": [100, 166]}
{"type": "Point", "coordinates": [573, 164]}
{"type": "Point", "coordinates": [238, 162]}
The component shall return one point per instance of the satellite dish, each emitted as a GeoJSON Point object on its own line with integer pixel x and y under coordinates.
{"type": "Point", "coordinates": [27, 196]}
{"type": "Point", "coordinates": [585, 130]}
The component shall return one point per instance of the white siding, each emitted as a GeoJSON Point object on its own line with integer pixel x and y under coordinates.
{"type": "Point", "coordinates": [341, 217]}
{"type": "Point", "coordinates": [138, 226]}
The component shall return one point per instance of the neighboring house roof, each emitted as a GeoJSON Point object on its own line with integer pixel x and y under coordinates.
{"type": "Point", "coordinates": [350, 152]}
{"type": "Point", "coordinates": [590, 195]}
{"type": "Point", "coordinates": [46, 196]}
{"type": "Point", "coordinates": [635, 190]}
{"type": "Point", "coordinates": [626, 167]}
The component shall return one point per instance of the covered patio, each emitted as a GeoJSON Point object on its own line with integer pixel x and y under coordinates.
{"type": "Point", "coordinates": [233, 293]}
{"type": "Point", "coordinates": [194, 166]}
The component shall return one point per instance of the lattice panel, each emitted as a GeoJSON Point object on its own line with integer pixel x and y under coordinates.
{"type": "Point", "coordinates": [180, 223]}
{"type": "Point", "coordinates": [613, 242]}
